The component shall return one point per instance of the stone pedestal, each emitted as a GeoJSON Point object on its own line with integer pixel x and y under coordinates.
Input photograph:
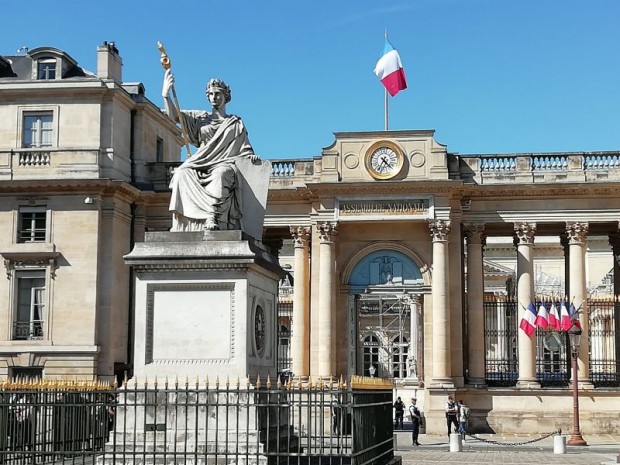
{"type": "Point", "coordinates": [205, 308]}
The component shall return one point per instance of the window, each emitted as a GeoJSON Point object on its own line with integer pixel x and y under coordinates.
{"type": "Point", "coordinates": [46, 69]}
{"type": "Point", "coordinates": [400, 349]}
{"type": "Point", "coordinates": [38, 129]}
{"type": "Point", "coordinates": [371, 356]}
{"type": "Point", "coordinates": [159, 154]}
{"type": "Point", "coordinates": [28, 321]}
{"type": "Point", "coordinates": [32, 225]}
{"type": "Point", "coordinates": [26, 373]}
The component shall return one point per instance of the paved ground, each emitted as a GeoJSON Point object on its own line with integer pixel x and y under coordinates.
{"type": "Point", "coordinates": [435, 450]}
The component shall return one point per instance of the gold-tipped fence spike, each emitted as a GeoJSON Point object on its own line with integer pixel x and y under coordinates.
{"type": "Point", "coordinates": [278, 383]}
{"type": "Point", "coordinates": [310, 383]}
{"type": "Point", "coordinates": [268, 381]}
{"type": "Point", "coordinates": [217, 382]}
{"type": "Point", "coordinates": [258, 384]}
{"type": "Point", "coordinates": [340, 382]}
{"type": "Point", "coordinates": [227, 382]}
{"type": "Point", "coordinates": [166, 382]}
{"type": "Point", "coordinates": [237, 383]}
{"type": "Point", "coordinates": [299, 383]}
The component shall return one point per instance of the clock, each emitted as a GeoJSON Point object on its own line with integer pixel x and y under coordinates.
{"type": "Point", "coordinates": [384, 160]}
{"type": "Point", "coordinates": [259, 329]}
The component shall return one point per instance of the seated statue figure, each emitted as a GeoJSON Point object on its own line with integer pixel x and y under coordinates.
{"type": "Point", "coordinates": [205, 188]}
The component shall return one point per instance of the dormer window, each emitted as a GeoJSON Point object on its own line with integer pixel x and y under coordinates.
{"type": "Point", "coordinates": [46, 68]}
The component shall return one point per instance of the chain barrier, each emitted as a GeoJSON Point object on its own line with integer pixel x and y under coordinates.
{"type": "Point", "coordinates": [497, 443]}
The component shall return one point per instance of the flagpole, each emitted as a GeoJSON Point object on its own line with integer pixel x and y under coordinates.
{"type": "Point", "coordinates": [385, 106]}
{"type": "Point", "coordinates": [386, 109]}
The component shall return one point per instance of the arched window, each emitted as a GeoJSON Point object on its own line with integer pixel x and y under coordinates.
{"type": "Point", "coordinates": [371, 356]}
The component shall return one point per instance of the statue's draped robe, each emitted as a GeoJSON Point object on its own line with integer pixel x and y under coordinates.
{"type": "Point", "coordinates": [205, 186]}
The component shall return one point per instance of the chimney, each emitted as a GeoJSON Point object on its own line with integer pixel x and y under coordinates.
{"type": "Point", "coordinates": [109, 63]}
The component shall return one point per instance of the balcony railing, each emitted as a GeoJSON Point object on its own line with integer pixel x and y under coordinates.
{"type": "Point", "coordinates": [28, 330]}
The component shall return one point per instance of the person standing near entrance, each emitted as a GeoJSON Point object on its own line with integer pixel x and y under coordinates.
{"type": "Point", "coordinates": [399, 407]}
{"type": "Point", "coordinates": [414, 413]}
{"type": "Point", "coordinates": [452, 410]}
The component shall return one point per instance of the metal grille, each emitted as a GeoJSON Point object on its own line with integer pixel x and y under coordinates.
{"type": "Point", "coordinates": [500, 341]}
{"type": "Point", "coordinates": [552, 347]}
{"type": "Point", "coordinates": [604, 347]}
{"type": "Point", "coordinates": [179, 424]}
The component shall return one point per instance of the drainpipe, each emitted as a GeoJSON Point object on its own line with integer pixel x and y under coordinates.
{"type": "Point", "coordinates": [132, 146]}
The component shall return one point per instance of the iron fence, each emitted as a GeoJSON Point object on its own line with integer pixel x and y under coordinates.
{"type": "Point", "coordinates": [293, 423]}
{"type": "Point", "coordinates": [553, 362]}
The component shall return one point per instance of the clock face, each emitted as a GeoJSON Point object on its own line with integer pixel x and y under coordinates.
{"type": "Point", "coordinates": [384, 161]}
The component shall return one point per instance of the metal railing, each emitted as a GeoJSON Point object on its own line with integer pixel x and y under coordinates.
{"type": "Point", "coordinates": [28, 330]}
{"type": "Point", "coordinates": [501, 319]}
{"type": "Point", "coordinates": [293, 423]}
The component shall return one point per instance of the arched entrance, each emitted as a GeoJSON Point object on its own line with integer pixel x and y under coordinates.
{"type": "Point", "coordinates": [386, 288]}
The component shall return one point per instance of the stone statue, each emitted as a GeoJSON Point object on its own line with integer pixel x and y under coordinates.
{"type": "Point", "coordinates": [206, 187]}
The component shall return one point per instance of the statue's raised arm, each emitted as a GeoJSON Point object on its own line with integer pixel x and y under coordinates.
{"type": "Point", "coordinates": [206, 188]}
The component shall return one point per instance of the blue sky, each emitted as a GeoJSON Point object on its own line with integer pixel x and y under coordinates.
{"type": "Point", "coordinates": [490, 76]}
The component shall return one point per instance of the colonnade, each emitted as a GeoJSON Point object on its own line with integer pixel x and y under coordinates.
{"type": "Point", "coordinates": [439, 374]}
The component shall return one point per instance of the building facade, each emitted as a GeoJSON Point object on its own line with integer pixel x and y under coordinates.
{"type": "Point", "coordinates": [76, 150]}
{"type": "Point", "coordinates": [404, 261]}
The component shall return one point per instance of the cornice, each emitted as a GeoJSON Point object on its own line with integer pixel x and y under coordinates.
{"type": "Point", "coordinates": [69, 186]}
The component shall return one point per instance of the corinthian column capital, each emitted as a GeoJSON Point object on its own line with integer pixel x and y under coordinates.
{"type": "Point", "coordinates": [525, 232]}
{"type": "Point", "coordinates": [300, 234]}
{"type": "Point", "coordinates": [577, 232]}
{"type": "Point", "coordinates": [439, 229]}
{"type": "Point", "coordinates": [475, 233]}
{"type": "Point", "coordinates": [327, 231]}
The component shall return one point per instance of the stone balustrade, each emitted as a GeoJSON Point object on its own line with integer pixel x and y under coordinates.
{"type": "Point", "coordinates": [290, 173]}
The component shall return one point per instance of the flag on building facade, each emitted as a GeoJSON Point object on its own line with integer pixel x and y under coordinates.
{"type": "Point", "coordinates": [389, 70]}
{"type": "Point", "coordinates": [527, 322]}
{"type": "Point", "coordinates": [554, 317]}
{"type": "Point", "coordinates": [542, 319]}
{"type": "Point", "coordinates": [574, 315]}
{"type": "Point", "coordinates": [565, 322]}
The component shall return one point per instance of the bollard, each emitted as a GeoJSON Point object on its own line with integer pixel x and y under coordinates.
{"type": "Point", "coordinates": [559, 444]}
{"type": "Point", "coordinates": [395, 437]}
{"type": "Point", "coordinates": [456, 444]}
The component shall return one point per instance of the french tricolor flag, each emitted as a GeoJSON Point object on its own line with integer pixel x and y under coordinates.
{"type": "Point", "coordinates": [574, 315]}
{"type": "Point", "coordinates": [565, 321]}
{"type": "Point", "coordinates": [390, 70]}
{"type": "Point", "coordinates": [554, 317]}
{"type": "Point", "coordinates": [527, 322]}
{"type": "Point", "coordinates": [542, 319]}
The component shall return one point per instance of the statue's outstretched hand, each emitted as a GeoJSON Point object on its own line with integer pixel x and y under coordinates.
{"type": "Point", "coordinates": [168, 83]}
{"type": "Point", "coordinates": [254, 158]}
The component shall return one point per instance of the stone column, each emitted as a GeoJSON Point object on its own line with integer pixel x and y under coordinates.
{"type": "Point", "coordinates": [475, 304]}
{"type": "Point", "coordinates": [525, 294]}
{"type": "Point", "coordinates": [614, 241]}
{"type": "Point", "coordinates": [577, 233]}
{"type": "Point", "coordinates": [414, 340]}
{"type": "Point", "coordinates": [301, 302]}
{"type": "Point", "coordinates": [441, 371]}
{"type": "Point", "coordinates": [327, 280]}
